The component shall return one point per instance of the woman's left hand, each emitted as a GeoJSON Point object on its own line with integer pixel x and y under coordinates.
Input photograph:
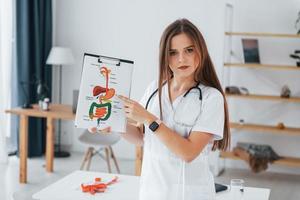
{"type": "Point", "coordinates": [135, 111]}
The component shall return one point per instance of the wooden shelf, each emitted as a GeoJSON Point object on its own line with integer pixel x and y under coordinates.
{"type": "Point", "coordinates": [266, 128]}
{"type": "Point", "coordinates": [263, 34]}
{"type": "Point", "coordinates": [262, 66]}
{"type": "Point", "coordinates": [264, 97]}
{"type": "Point", "coordinates": [286, 161]}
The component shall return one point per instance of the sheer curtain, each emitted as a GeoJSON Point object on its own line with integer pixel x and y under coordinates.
{"type": "Point", "coordinates": [6, 33]}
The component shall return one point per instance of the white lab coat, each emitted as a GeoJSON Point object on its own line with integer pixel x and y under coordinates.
{"type": "Point", "coordinates": [164, 175]}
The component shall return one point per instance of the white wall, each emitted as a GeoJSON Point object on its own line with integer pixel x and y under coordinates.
{"type": "Point", "coordinates": [132, 29]}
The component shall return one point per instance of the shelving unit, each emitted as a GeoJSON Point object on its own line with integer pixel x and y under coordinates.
{"type": "Point", "coordinates": [285, 161]}
{"type": "Point", "coordinates": [284, 35]}
{"type": "Point", "coordinates": [295, 131]}
{"type": "Point", "coordinates": [264, 97]}
{"type": "Point", "coordinates": [265, 128]}
{"type": "Point", "coordinates": [262, 66]}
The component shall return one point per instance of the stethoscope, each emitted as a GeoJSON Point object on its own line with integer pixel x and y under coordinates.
{"type": "Point", "coordinates": [185, 94]}
{"type": "Point", "coordinates": [185, 103]}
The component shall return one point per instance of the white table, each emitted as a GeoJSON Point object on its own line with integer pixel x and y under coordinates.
{"type": "Point", "coordinates": [126, 189]}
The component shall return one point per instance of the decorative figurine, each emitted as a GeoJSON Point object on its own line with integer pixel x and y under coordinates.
{"type": "Point", "coordinates": [285, 92]}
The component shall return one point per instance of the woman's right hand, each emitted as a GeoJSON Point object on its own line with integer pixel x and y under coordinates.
{"type": "Point", "coordinates": [101, 131]}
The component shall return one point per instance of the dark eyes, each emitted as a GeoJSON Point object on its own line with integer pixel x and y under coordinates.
{"type": "Point", "coordinates": [188, 51]}
{"type": "Point", "coordinates": [172, 53]}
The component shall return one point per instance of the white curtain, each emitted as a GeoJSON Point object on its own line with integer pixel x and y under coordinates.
{"type": "Point", "coordinates": [6, 40]}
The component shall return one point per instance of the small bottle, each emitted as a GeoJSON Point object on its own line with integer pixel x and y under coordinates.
{"type": "Point", "coordinates": [46, 104]}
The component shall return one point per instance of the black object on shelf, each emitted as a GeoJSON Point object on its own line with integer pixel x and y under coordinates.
{"type": "Point", "coordinates": [296, 56]}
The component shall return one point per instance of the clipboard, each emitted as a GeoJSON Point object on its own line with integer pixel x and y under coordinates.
{"type": "Point", "coordinates": [102, 79]}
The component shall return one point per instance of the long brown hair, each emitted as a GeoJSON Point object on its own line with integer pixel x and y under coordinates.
{"type": "Point", "coordinates": [204, 74]}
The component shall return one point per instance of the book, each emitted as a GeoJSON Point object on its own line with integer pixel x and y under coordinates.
{"type": "Point", "coordinates": [250, 50]}
{"type": "Point", "coordinates": [102, 79]}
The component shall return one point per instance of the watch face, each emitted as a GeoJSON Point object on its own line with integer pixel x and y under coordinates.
{"type": "Point", "coordinates": [153, 126]}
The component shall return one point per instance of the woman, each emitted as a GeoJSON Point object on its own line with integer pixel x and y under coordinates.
{"type": "Point", "coordinates": [184, 116]}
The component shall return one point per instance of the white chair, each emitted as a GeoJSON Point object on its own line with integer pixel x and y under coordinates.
{"type": "Point", "coordinates": [98, 143]}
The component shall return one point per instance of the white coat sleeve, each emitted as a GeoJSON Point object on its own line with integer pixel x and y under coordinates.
{"type": "Point", "coordinates": [211, 119]}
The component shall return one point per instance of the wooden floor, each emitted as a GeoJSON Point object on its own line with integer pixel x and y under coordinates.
{"type": "Point", "coordinates": [282, 186]}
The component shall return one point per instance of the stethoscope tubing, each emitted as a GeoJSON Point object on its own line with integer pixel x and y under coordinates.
{"type": "Point", "coordinates": [187, 92]}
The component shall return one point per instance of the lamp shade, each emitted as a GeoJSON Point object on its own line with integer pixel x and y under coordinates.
{"type": "Point", "coordinates": [60, 56]}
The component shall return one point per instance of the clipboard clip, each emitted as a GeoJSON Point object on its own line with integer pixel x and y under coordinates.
{"type": "Point", "coordinates": [108, 60]}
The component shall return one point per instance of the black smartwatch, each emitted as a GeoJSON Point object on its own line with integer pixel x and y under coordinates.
{"type": "Point", "coordinates": [155, 125]}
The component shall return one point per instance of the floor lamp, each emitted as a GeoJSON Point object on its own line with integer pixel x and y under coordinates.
{"type": "Point", "coordinates": [60, 56]}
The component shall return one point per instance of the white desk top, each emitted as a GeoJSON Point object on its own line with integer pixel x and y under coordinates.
{"type": "Point", "coordinates": [126, 189]}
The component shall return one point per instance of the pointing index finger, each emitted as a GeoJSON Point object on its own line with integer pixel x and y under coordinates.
{"type": "Point", "coordinates": [125, 99]}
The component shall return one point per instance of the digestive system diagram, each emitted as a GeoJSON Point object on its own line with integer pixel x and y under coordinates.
{"type": "Point", "coordinates": [102, 108]}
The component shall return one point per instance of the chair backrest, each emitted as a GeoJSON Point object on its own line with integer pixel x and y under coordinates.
{"type": "Point", "coordinates": [99, 139]}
